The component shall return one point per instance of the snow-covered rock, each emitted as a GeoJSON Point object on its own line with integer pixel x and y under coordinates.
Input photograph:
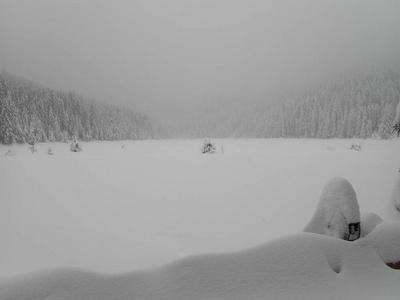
{"type": "Point", "coordinates": [336, 210]}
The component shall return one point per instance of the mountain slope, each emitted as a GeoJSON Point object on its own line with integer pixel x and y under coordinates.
{"type": "Point", "coordinates": [31, 113]}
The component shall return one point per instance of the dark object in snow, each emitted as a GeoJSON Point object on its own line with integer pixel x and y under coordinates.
{"type": "Point", "coordinates": [394, 265]}
{"type": "Point", "coordinates": [208, 147]}
{"type": "Point", "coordinates": [355, 147]}
{"type": "Point", "coordinates": [10, 153]}
{"type": "Point", "coordinates": [397, 128]}
{"type": "Point", "coordinates": [354, 232]}
{"type": "Point", "coordinates": [76, 146]}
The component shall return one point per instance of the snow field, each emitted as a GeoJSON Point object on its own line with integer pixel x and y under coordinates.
{"type": "Point", "coordinates": [115, 210]}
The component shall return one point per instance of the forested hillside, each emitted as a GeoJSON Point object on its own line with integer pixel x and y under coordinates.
{"type": "Point", "coordinates": [31, 113]}
{"type": "Point", "coordinates": [356, 106]}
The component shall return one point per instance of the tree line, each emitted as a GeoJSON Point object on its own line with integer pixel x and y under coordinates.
{"type": "Point", "coordinates": [355, 106]}
{"type": "Point", "coordinates": [358, 107]}
{"type": "Point", "coordinates": [31, 113]}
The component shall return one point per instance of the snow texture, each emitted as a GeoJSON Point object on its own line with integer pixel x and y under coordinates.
{"type": "Point", "coordinates": [337, 208]}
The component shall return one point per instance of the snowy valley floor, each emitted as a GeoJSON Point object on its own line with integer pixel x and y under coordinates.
{"type": "Point", "coordinates": [114, 210]}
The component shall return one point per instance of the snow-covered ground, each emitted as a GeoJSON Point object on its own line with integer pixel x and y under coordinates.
{"type": "Point", "coordinates": [114, 210]}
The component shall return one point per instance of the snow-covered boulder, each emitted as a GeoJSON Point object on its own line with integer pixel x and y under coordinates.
{"type": "Point", "coordinates": [337, 213]}
{"type": "Point", "coordinates": [392, 209]}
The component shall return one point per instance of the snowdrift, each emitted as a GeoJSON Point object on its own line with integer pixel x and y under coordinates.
{"type": "Point", "coordinates": [301, 266]}
{"type": "Point", "coordinates": [392, 209]}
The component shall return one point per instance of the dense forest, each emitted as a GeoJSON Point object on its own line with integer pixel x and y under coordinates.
{"type": "Point", "coordinates": [354, 106]}
{"type": "Point", "coordinates": [358, 107]}
{"type": "Point", "coordinates": [31, 113]}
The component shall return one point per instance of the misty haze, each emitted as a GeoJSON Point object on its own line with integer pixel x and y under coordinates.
{"type": "Point", "coordinates": [206, 149]}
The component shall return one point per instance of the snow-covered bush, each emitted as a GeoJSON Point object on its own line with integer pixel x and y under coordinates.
{"type": "Point", "coordinates": [337, 213]}
{"type": "Point", "coordinates": [75, 146]}
{"type": "Point", "coordinates": [208, 147]}
{"type": "Point", "coordinates": [32, 148]}
{"type": "Point", "coordinates": [396, 122]}
{"type": "Point", "coordinates": [356, 147]}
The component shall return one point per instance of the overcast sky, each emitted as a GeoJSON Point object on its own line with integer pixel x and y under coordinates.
{"type": "Point", "coordinates": [156, 54]}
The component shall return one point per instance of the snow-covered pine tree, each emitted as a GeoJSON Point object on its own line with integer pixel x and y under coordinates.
{"type": "Point", "coordinates": [9, 122]}
{"type": "Point", "coordinates": [385, 124]}
{"type": "Point", "coordinates": [396, 122]}
{"type": "Point", "coordinates": [44, 114]}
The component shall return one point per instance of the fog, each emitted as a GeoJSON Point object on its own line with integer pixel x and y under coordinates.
{"type": "Point", "coordinates": [164, 56]}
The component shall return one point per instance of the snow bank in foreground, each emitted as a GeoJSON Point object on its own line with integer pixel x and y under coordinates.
{"type": "Point", "coordinates": [301, 266]}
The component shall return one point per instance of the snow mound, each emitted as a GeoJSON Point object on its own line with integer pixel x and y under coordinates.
{"type": "Point", "coordinates": [392, 209]}
{"type": "Point", "coordinates": [337, 208]}
{"type": "Point", "coordinates": [369, 221]}
{"type": "Point", "coordinates": [385, 239]}
{"type": "Point", "coordinates": [301, 266]}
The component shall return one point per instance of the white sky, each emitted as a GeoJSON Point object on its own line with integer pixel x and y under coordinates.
{"type": "Point", "coordinates": [155, 55]}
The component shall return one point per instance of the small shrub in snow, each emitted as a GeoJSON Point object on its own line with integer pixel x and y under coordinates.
{"type": "Point", "coordinates": [356, 147]}
{"type": "Point", "coordinates": [49, 151]}
{"type": "Point", "coordinates": [76, 146]}
{"type": "Point", "coordinates": [208, 147]}
{"type": "Point", "coordinates": [33, 149]}
{"type": "Point", "coordinates": [331, 148]}
{"type": "Point", "coordinates": [123, 147]}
